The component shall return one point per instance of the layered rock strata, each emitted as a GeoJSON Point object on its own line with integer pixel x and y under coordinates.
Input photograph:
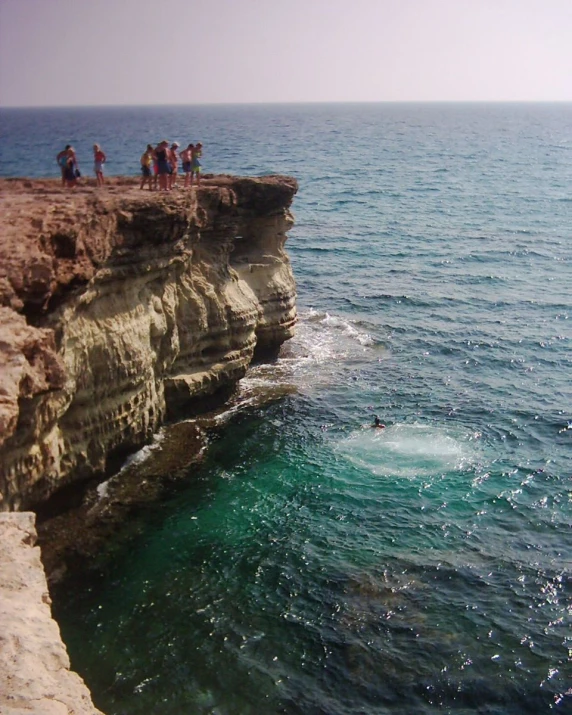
{"type": "Point", "coordinates": [35, 678]}
{"type": "Point", "coordinates": [119, 307]}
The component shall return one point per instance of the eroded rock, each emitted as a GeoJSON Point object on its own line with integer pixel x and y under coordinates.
{"type": "Point", "coordinates": [121, 306]}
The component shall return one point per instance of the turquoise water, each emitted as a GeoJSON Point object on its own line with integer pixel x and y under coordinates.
{"type": "Point", "coordinates": [312, 564]}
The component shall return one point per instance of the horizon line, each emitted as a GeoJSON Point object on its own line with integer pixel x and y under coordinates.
{"type": "Point", "coordinates": [289, 103]}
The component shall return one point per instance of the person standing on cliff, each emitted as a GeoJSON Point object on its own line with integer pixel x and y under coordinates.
{"type": "Point", "coordinates": [62, 159]}
{"type": "Point", "coordinates": [147, 162]}
{"type": "Point", "coordinates": [67, 161]}
{"type": "Point", "coordinates": [162, 152]}
{"type": "Point", "coordinates": [71, 172]}
{"type": "Point", "coordinates": [174, 162]}
{"type": "Point", "coordinates": [155, 168]}
{"type": "Point", "coordinates": [196, 154]}
{"type": "Point", "coordinates": [99, 160]}
{"type": "Point", "coordinates": [186, 156]}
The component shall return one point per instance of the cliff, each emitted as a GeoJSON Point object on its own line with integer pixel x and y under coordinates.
{"type": "Point", "coordinates": [120, 307]}
{"type": "Point", "coordinates": [35, 678]}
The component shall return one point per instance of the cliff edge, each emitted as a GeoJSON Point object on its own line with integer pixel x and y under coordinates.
{"type": "Point", "coordinates": [120, 307]}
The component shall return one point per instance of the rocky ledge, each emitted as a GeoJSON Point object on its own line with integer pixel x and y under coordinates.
{"type": "Point", "coordinates": [121, 307]}
{"type": "Point", "coordinates": [35, 678]}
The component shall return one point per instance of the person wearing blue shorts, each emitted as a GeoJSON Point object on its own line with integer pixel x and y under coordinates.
{"type": "Point", "coordinates": [186, 155]}
{"type": "Point", "coordinates": [163, 166]}
{"type": "Point", "coordinates": [147, 159]}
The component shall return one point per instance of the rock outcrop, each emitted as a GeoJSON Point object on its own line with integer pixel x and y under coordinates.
{"type": "Point", "coordinates": [35, 678]}
{"type": "Point", "coordinates": [120, 307]}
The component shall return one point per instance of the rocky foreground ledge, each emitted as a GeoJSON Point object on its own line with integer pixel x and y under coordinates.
{"type": "Point", "coordinates": [35, 676]}
{"type": "Point", "coordinates": [121, 307]}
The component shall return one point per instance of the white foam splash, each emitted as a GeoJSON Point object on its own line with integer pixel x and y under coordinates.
{"type": "Point", "coordinates": [408, 450]}
{"type": "Point", "coordinates": [347, 328]}
{"type": "Point", "coordinates": [103, 489]}
{"type": "Point", "coordinates": [144, 453]}
{"type": "Point", "coordinates": [138, 457]}
{"type": "Point", "coordinates": [322, 343]}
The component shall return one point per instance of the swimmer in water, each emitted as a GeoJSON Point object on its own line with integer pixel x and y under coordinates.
{"type": "Point", "coordinates": [378, 423]}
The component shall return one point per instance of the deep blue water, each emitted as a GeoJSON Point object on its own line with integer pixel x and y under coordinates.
{"type": "Point", "coordinates": [314, 565]}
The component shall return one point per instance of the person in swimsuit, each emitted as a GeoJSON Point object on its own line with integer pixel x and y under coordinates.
{"type": "Point", "coordinates": [99, 160]}
{"type": "Point", "coordinates": [163, 166]}
{"type": "Point", "coordinates": [70, 170]}
{"type": "Point", "coordinates": [155, 168]}
{"type": "Point", "coordinates": [186, 155]}
{"type": "Point", "coordinates": [377, 423]}
{"type": "Point", "coordinates": [147, 161]}
{"type": "Point", "coordinates": [62, 159]}
{"type": "Point", "coordinates": [174, 161]}
{"type": "Point", "coordinates": [67, 160]}
{"type": "Point", "coordinates": [196, 154]}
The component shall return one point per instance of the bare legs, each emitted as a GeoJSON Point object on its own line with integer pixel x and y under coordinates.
{"type": "Point", "coordinates": [147, 178]}
{"type": "Point", "coordinates": [163, 181]}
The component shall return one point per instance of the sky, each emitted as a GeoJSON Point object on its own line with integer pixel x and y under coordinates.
{"type": "Point", "coordinates": [130, 52]}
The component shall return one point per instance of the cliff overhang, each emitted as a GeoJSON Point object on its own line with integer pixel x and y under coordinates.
{"type": "Point", "coordinates": [121, 307]}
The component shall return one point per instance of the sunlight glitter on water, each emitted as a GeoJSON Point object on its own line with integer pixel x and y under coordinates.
{"type": "Point", "coordinates": [421, 569]}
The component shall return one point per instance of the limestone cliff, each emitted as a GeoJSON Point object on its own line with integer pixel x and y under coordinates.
{"type": "Point", "coordinates": [35, 678]}
{"type": "Point", "coordinates": [120, 306]}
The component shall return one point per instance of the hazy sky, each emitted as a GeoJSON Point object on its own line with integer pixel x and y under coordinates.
{"type": "Point", "coordinates": [74, 52]}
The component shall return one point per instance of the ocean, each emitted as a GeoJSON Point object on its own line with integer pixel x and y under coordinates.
{"type": "Point", "coordinates": [313, 565]}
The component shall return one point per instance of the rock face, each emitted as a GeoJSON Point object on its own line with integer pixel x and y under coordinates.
{"type": "Point", "coordinates": [119, 307]}
{"type": "Point", "coordinates": [34, 666]}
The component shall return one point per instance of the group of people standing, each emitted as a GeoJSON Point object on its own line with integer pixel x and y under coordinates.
{"type": "Point", "coordinates": [67, 161]}
{"type": "Point", "coordinates": [160, 165]}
